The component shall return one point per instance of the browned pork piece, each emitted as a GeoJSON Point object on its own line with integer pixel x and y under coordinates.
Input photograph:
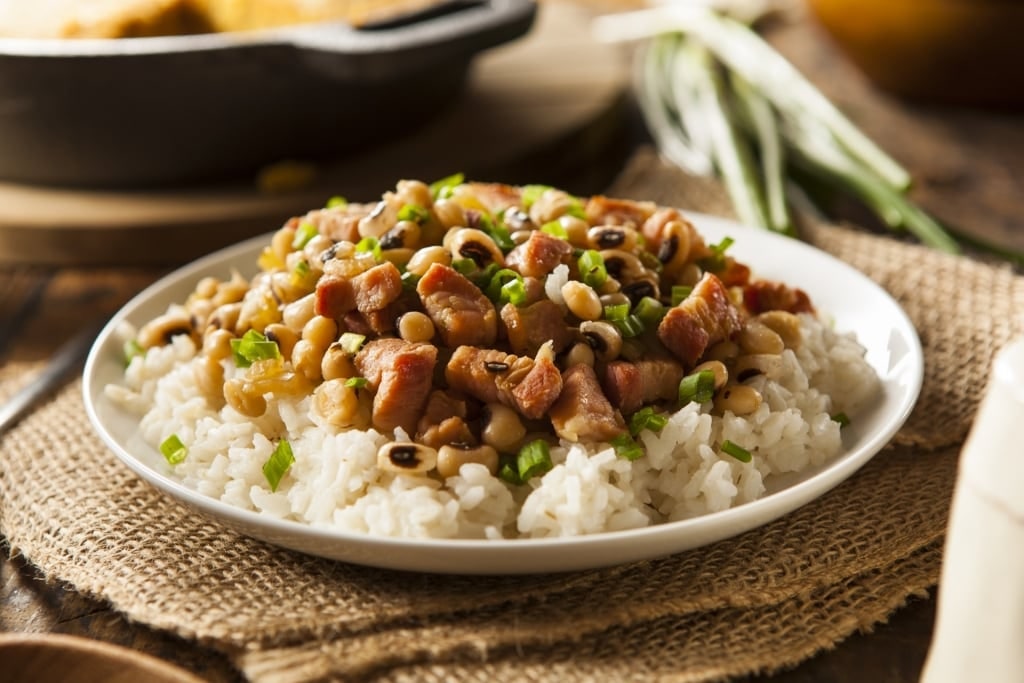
{"type": "Point", "coordinates": [400, 374]}
{"type": "Point", "coordinates": [539, 255]}
{"type": "Point", "coordinates": [601, 210]}
{"type": "Point", "coordinates": [444, 421]}
{"type": "Point", "coordinates": [631, 385]}
{"type": "Point", "coordinates": [496, 197]}
{"type": "Point", "coordinates": [582, 412]}
{"type": "Point", "coordinates": [461, 313]}
{"type": "Point", "coordinates": [765, 295]}
{"type": "Point", "coordinates": [705, 317]}
{"type": "Point", "coordinates": [493, 376]}
{"type": "Point", "coordinates": [530, 327]}
{"type": "Point", "coordinates": [340, 223]}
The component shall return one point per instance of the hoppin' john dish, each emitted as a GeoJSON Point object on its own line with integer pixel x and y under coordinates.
{"type": "Point", "coordinates": [481, 360]}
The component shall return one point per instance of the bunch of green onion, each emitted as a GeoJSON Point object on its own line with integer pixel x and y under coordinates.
{"type": "Point", "coordinates": [719, 100]}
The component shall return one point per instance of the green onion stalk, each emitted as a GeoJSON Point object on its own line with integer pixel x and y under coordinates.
{"type": "Point", "coordinates": [718, 99]}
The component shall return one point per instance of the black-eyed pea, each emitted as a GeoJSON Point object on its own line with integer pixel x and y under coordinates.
{"type": "Point", "coordinates": [336, 403]}
{"type": "Point", "coordinates": [581, 353]}
{"type": "Point", "coordinates": [603, 337]}
{"type": "Point", "coordinates": [575, 230]}
{"type": "Point", "coordinates": [207, 287]}
{"type": "Point", "coordinates": [784, 324]}
{"type": "Point", "coordinates": [503, 429]}
{"type": "Point", "coordinates": [451, 458]}
{"type": "Point", "coordinates": [161, 330]}
{"type": "Point", "coordinates": [299, 312]}
{"type": "Point", "coordinates": [725, 351]}
{"type": "Point", "coordinates": [337, 363]}
{"type": "Point", "coordinates": [415, 326]}
{"type": "Point", "coordinates": [767, 364]}
{"type": "Point", "coordinates": [739, 399]}
{"type": "Point", "coordinates": [231, 291]}
{"type": "Point", "coordinates": [406, 457]}
{"type": "Point", "coordinates": [450, 214]}
{"type": "Point", "coordinates": [612, 237]}
{"type": "Point", "coordinates": [718, 369]}
{"type": "Point", "coordinates": [414, 192]}
{"type": "Point", "coordinates": [404, 234]}
{"type": "Point", "coordinates": [281, 242]}
{"type": "Point", "coordinates": [674, 246]}
{"type": "Point", "coordinates": [425, 257]}
{"type": "Point", "coordinates": [244, 398]}
{"type": "Point", "coordinates": [758, 338]}
{"type": "Point", "coordinates": [550, 205]}
{"type": "Point", "coordinates": [582, 300]}
{"type": "Point", "coordinates": [476, 245]}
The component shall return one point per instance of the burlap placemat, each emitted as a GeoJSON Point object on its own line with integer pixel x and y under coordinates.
{"type": "Point", "coordinates": [764, 600]}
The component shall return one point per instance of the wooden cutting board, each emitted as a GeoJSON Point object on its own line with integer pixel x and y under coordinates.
{"type": "Point", "coordinates": [552, 100]}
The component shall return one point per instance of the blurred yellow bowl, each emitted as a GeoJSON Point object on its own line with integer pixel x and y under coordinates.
{"type": "Point", "coordinates": [956, 51]}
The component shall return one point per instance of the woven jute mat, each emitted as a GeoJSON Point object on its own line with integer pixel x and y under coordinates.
{"type": "Point", "coordinates": [762, 601]}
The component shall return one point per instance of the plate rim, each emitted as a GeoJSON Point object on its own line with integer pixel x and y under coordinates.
{"type": "Point", "coordinates": [507, 556]}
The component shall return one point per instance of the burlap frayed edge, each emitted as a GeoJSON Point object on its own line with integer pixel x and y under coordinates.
{"type": "Point", "coordinates": [705, 646]}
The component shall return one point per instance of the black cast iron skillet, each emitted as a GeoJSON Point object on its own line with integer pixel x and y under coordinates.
{"type": "Point", "coordinates": [140, 112]}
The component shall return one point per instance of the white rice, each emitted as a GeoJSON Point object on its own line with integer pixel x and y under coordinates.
{"type": "Point", "coordinates": [335, 481]}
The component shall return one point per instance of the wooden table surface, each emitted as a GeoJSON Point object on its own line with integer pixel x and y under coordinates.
{"type": "Point", "coordinates": [968, 164]}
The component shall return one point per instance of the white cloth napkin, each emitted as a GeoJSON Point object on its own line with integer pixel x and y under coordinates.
{"type": "Point", "coordinates": [979, 632]}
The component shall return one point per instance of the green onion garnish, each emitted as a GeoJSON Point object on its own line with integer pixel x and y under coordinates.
{"type": "Point", "coordinates": [443, 188]}
{"type": "Point", "coordinates": [336, 201]}
{"type": "Point", "coordinates": [533, 459]}
{"type": "Point", "coordinates": [680, 292]}
{"type": "Point", "coordinates": [279, 463]}
{"type": "Point", "coordinates": [356, 382]}
{"type": "Point", "coordinates": [698, 387]}
{"type": "Point", "coordinates": [252, 347]}
{"type": "Point", "coordinates": [500, 234]}
{"type": "Point", "coordinates": [532, 193]}
{"type": "Point", "coordinates": [738, 452]}
{"type": "Point", "coordinates": [409, 281]}
{"type": "Point", "coordinates": [555, 229]}
{"type": "Point", "coordinates": [513, 292]}
{"type": "Point", "coordinates": [628, 327]}
{"type": "Point", "coordinates": [414, 213]}
{"type": "Point", "coordinates": [300, 272]}
{"type": "Point", "coordinates": [508, 472]}
{"type": "Point", "coordinates": [626, 447]}
{"type": "Point", "coordinates": [464, 266]}
{"type": "Point", "coordinates": [616, 311]}
{"type": "Point", "coordinates": [842, 418]}
{"type": "Point", "coordinates": [592, 270]}
{"type": "Point", "coordinates": [650, 311]}
{"type": "Point", "coordinates": [173, 449]}
{"type": "Point", "coordinates": [132, 348]}
{"type": "Point", "coordinates": [496, 291]}
{"type": "Point", "coordinates": [576, 209]}
{"type": "Point", "coordinates": [370, 245]}
{"type": "Point", "coordinates": [716, 261]}
{"type": "Point", "coordinates": [351, 342]}
{"type": "Point", "coordinates": [305, 232]}
{"type": "Point", "coordinates": [646, 418]}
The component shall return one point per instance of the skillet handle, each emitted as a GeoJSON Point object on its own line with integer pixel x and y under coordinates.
{"type": "Point", "coordinates": [445, 35]}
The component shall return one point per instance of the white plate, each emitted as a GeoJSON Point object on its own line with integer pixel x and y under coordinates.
{"type": "Point", "coordinates": [853, 301]}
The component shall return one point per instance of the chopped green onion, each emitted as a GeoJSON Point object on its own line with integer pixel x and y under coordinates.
{"type": "Point", "coordinates": [409, 281]}
{"type": "Point", "coordinates": [646, 418]}
{"type": "Point", "coordinates": [414, 213]}
{"type": "Point", "coordinates": [300, 272]}
{"type": "Point", "coordinates": [371, 245]}
{"type": "Point", "coordinates": [499, 232]}
{"type": "Point", "coordinates": [356, 382]}
{"type": "Point", "coordinates": [616, 311]}
{"type": "Point", "coordinates": [443, 188]}
{"type": "Point", "coordinates": [532, 193]}
{"type": "Point", "coordinates": [173, 449]}
{"type": "Point", "coordinates": [513, 292]}
{"type": "Point", "coordinates": [576, 209]}
{"type": "Point", "coordinates": [650, 311]}
{"type": "Point", "coordinates": [251, 347]}
{"type": "Point", "coordinates": [336, 201]}
{"type": "Point", "coordinates": [131, 349]}
{"type": "Point", "coordinates": [465, 266]}
{"type": "Point", "coordinates": [698, 387]}
{"type": "Point", "coordinates": [350, 342]}
{"type": "Point", "coordinates": [508, 472]}
{"type": "Point", "coordinates": [650, 261]}
{"type": "Point", "coordinates": [626, 447]}
{"type": "Point", "coordinates": [680, 292]}
{"type": "Point", "coordinates": [279, 463]}
{"type": "Point", "coordinates": [716, 261]}
{"type": "Point", "coordinates": [496, 287]}
{"type": "Point", "coordinates": [555, 229]}
{"type": "Point", "coordinates": [305, 232]}
{"type": "Point", "coordinates": [592, 270]}
{"type": "Point", "coordinates": [533, 460]}
{"type": "Point", "coordinates": [630, 326]}
{"type": "Point", "coordinates": [842, 418]}
{"type": "Point", "coordinates": [738, 452]}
